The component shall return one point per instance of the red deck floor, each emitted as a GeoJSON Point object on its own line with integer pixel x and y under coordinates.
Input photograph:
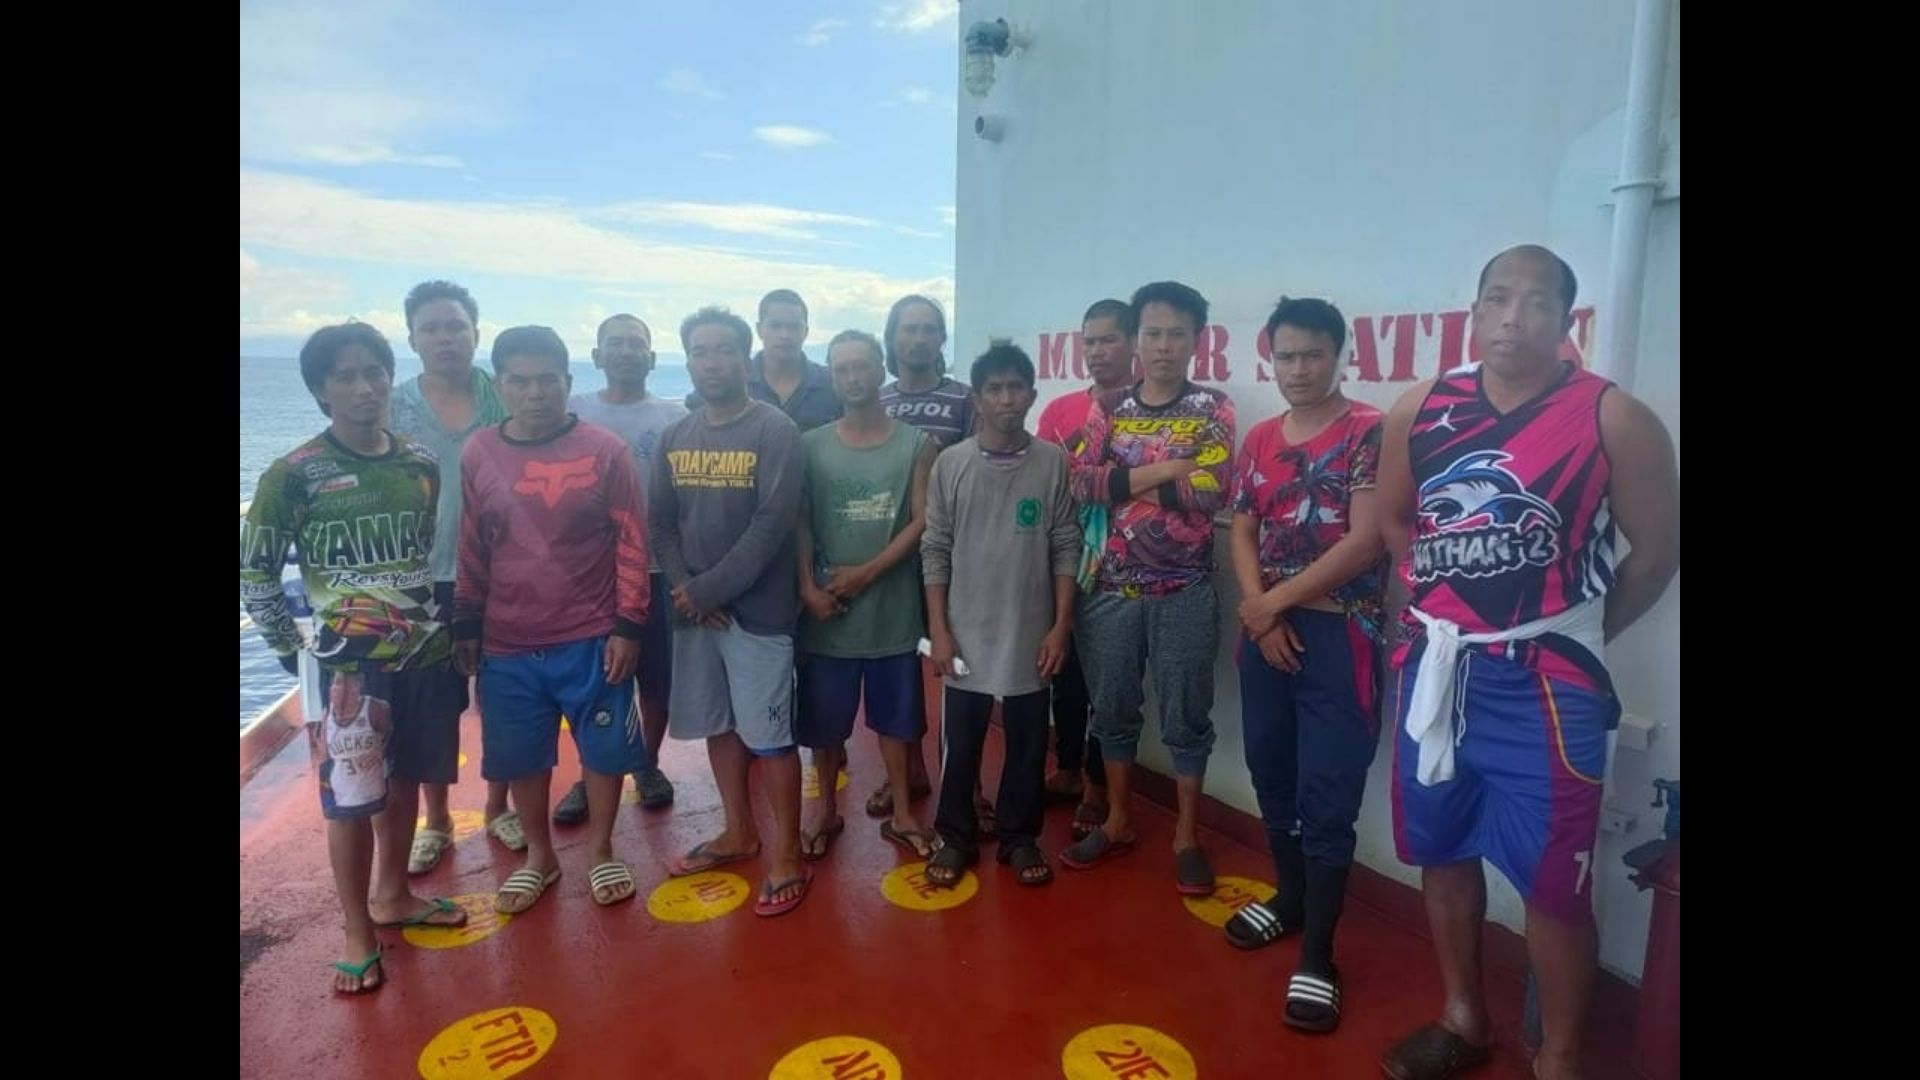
{"type": "Point", "coordinates": [998, 986]}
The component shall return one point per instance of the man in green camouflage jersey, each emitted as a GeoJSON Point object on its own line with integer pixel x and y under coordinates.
{"type": "Point", "coordinates": [358, 507]}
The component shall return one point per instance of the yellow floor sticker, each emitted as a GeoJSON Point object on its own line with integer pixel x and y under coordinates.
{"type": "Point", "coordinates": [482, 923]}
{"type": "Point", "coordinates": [699, 897]}
{"type": "Point", "coordinates": [841, 1057]}
{"type": "Point", "coordinates": [1229, 896]}
{"type": "Point", "coordinates": [810, 781]}
{"type": "Point", "coordinates": [465, 823]}
{"type": "Point", "coordinates": [907, 886]}
{"type": "Point", "coordinates": [1126, 1052]}
{"type": "Point", "coordinates": [494, 1045]}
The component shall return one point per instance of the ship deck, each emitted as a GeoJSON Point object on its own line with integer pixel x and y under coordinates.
{"type": "Point", "coordinates": [1105, 973]}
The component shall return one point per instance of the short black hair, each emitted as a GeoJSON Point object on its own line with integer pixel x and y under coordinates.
{"type": "Point", "coordinates": [538, 341]}
{"type": "Point", "coordinates": [1569, 285]}
{"type": "Point", "coordinates": [783, 296]}
{"type": "Point", "coordinates": [317, 356]}
{"type": "Point", "coordinates": [600, 334]}
{"type": "Point", "coordinates": [1117, 310]}
{"type": "Point", "coordinates": [1312, 315]}
{"type": "Point", "coordinates": [893, 324]}
{"type": "Point", "coordinates": [1176, 296]}
{"type": "Point", "coordinates": [715, 315]}
{"type": "Point", "coordinates": [871, 342]}
{"type": "Point", "coordinates": [428, 291]}
{"type": "Point", "coordinates": [1000, 359]}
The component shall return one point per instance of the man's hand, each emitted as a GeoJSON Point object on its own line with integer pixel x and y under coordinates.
{"type": "Point", "coordinates": [1282, 647]}
{"type": "Point", "coordinates": [1259, 613]}
{"type": "Point", "coordinates": [944, 651]}
{"type": "Point", "coordinates": [466, 657]}
{"type": "Point", "coordinates": [821, 604]}
{"type": "Point", "coordinates": [1053, 650]}
{"type": "Point", "coordinates": [716, 621]}
{"type": "Point", "coordinates": [683, 603]}
{"type": "Point", "coordinates": [622, 659]}
{"type": "Point", "coordinates": [848, 582]}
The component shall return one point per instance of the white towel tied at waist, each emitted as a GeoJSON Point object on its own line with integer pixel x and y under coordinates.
{"type": "Point", "coordinates": [1433, 685]}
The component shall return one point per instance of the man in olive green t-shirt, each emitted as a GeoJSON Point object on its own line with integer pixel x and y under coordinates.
{"type": "Point", "coordinates": [861, 517]}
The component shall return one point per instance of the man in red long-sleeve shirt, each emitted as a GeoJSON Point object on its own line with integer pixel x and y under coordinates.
{"type": "Point", "coordinates": [553, 589]}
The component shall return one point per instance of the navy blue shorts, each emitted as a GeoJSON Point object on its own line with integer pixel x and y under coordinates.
{"type": "Point", "coordinates": [655, 677]}
{"type": "Point", "coordinates": [1530, 765]}
{"type": "Point", "coordinates": [385, 727]}
{"type": "Point", "coordinates": [524, 695]}
{"type": "Point", "coordinates": [830, 691]}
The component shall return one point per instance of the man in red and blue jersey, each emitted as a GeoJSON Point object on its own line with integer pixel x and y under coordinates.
{"type": "Point", "coordinates": [1502, 486]}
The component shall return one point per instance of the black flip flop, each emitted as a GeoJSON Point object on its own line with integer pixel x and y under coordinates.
{"type": "Point", "coordinates": [1023, 858]}
{"type": "Point", "coordinates": [1433, 1053]}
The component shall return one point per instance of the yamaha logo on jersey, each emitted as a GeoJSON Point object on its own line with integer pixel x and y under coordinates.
{"type": "Point", "coordinates": [1482, 521]}
{"type": "Point", "coordinates": [602, 718]}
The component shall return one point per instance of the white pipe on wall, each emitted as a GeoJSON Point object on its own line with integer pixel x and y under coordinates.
{"type": "Point", "coordinates": [1634, 192]}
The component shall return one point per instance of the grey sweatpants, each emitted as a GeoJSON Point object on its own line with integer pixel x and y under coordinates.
{"type": "Point", "coordinates": [1175, 638]}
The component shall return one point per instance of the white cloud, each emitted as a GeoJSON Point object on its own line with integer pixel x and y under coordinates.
{"type": "Point", "coordinates": [372, 154]}
{"type": "Point", "coordinates": [946, 214]}
{"type": "Point", "coordinates": [927, 234]}
{"type": "Point", "coordinates": [688, 83]}
{"type": "Point", "coordinates": [915, 16]}
{"type": "Point", "coordinates": [715, 155]}
{"type": "Point", "coordinates": [788, 137]}
{"type": "Point", "coordinates": [822, 32]}
{"type": "Point", "coordinates": [282, 215]}
{"type": "Point", "coordinates": [917, 95]}
{"type": "Point", "coordinates": [752, 218]}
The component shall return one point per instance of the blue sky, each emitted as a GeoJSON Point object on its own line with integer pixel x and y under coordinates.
{"type": "Point", "coordinates": [569, 160]}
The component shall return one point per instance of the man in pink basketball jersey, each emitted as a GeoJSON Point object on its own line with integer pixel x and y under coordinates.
{"type": "Point", "coordinates": [1502, 486]}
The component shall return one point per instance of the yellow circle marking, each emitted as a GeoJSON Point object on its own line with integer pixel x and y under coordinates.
{"type": "Point", "coordinates": [482, 923]}
{"type": "Point", "coordinates": [463, 759]}
{"type": "Point", "coordinates": [907, 886]}
{"type": "Point", "coordinates": [493, 1045]}
{"type": "Point", "coordinates": [810, 782]}
{"type": "Point", "coordinates": [465, 823]}
{"type": "Point", "coordinates": [840, 1057]}
{"type": "Point", "coordinates": [1229, 896]}
{"type": "Point", "coordinates": [1126, 1052]}
{"type": "Point", "coordinates": [699, 897]}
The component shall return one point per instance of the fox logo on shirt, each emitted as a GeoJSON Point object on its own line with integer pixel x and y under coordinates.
{"type": "Point", "coordinates": [551, 480]}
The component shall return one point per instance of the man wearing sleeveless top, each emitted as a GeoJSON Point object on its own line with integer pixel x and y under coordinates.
{"type": "Point", "coordinates": [1501, 488]}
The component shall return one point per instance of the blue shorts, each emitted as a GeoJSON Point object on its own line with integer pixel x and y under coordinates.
{"type": "Point", "coordinates": [523, 696]}
{"type": "Point", "coordinates": [1525, 793]}
{"type": "Point", "coordinates": [655, 677]}
{"type": "Point", "coordinates": [398, 726]}
{"type": "Point", "coordinates": [830, 691]}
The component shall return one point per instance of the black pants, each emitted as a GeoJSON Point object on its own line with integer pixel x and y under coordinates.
{"type": "Point", "coordinates": [1072, 745]}
{"type": "Point", "coordinates": [1023, 778]}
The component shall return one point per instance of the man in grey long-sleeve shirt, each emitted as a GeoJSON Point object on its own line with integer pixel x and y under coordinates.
{"type": "Point", "coordinates": [723, 502]}
{"type": "Point", "coordinates": [999, 559]}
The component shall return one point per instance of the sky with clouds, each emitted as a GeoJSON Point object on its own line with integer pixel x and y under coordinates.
{"type": "Point", "coordinates": [567, 161]}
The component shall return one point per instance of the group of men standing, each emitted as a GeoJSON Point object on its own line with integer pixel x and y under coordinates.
{"type": "Point", "coordinates": [799, 540]}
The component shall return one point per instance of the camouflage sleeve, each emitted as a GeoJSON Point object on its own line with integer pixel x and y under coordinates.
{"type": "Point", "coordinates": [266, 533]}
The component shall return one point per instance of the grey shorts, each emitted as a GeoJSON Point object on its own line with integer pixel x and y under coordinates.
{"type": "Point", "coordinates": [1174, 639]}
{"type": "Point", "coordinates": [730, 680]}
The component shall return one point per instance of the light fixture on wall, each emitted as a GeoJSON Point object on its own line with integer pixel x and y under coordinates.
{"type": "Point", "coordinates": [986, 40]}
